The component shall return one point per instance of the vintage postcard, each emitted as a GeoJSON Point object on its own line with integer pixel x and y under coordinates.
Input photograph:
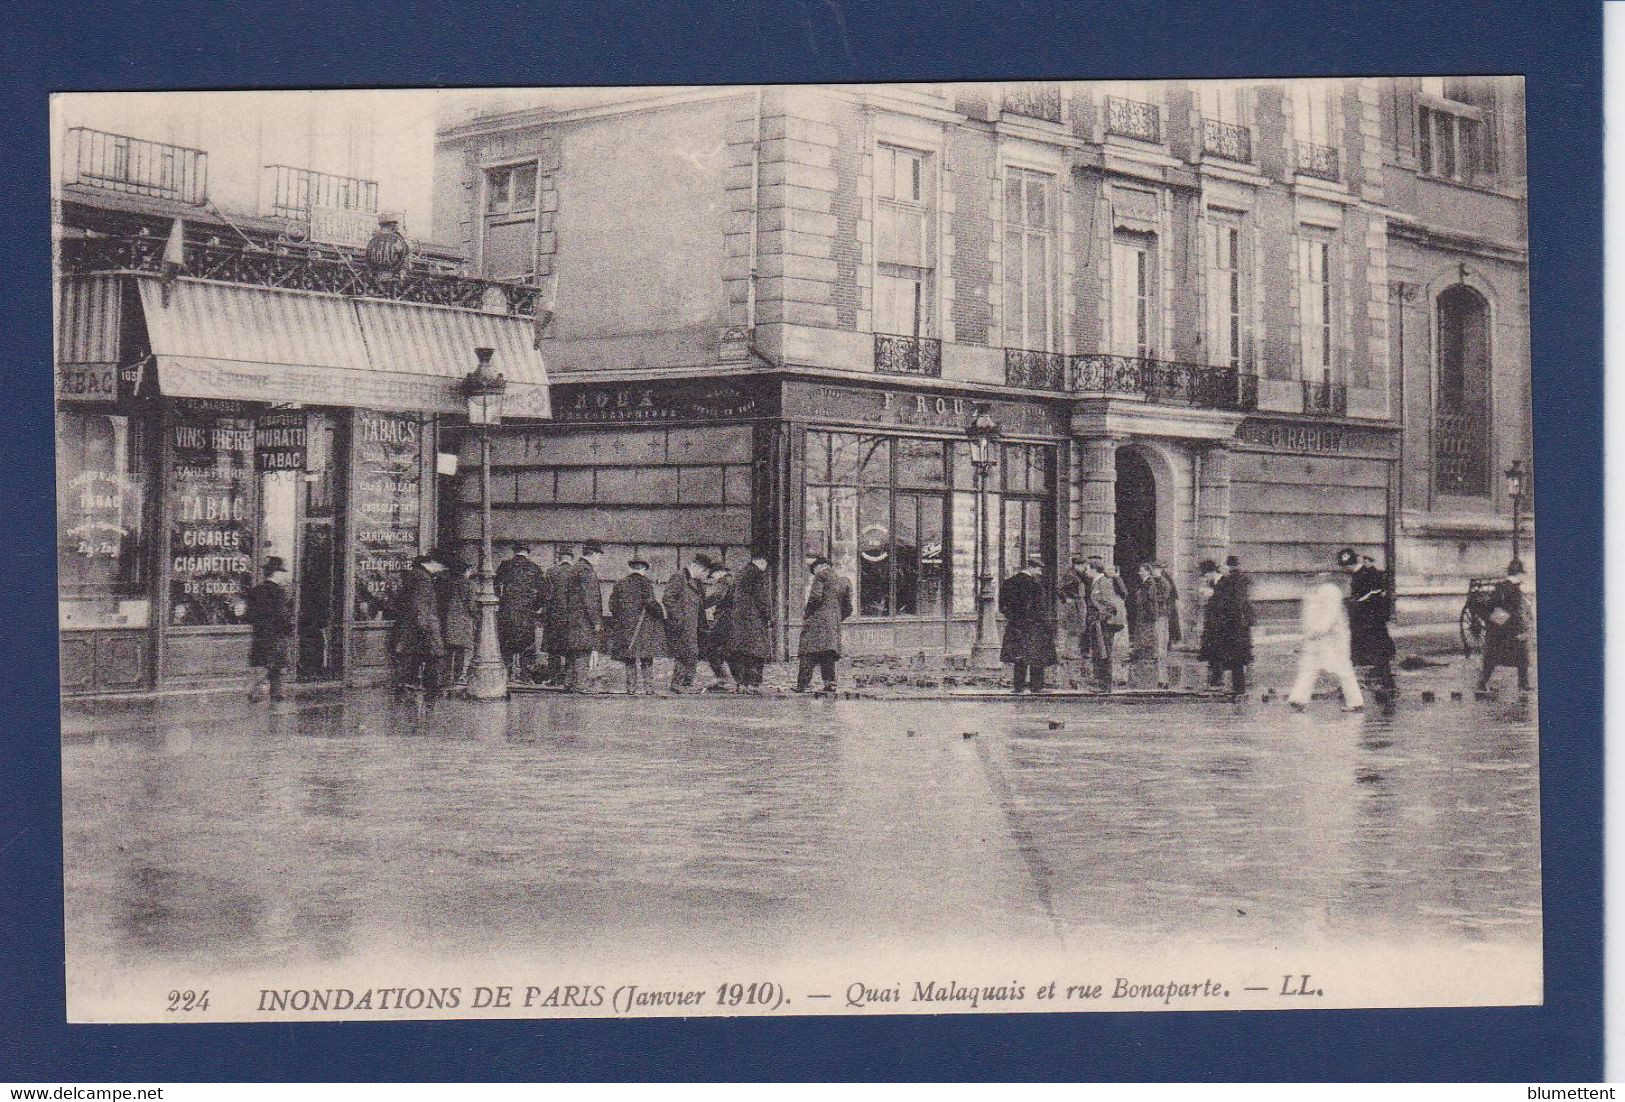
{"type": "Point", "coordinates": [782, 550]}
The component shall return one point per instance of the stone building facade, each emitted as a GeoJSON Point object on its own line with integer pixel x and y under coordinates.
{"type": "Point", "coordinates": [776, 309]}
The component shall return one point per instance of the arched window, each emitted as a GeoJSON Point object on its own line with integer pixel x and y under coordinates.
{"type": "Point", "coordinates": [1461, 405]}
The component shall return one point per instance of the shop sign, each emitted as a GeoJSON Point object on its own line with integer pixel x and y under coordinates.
{"type": "Point", "coordinates": [211, 537]}
{"type": "Point", "coordinates": [1315, 439]}
{"type": "Point", "coordinates": [87, 382]}
{"type": "Point", "coordinates": [915, 409]}
{"type": "Point", "coordinates": [342, 226]}
{"type": "Point", "coordinates": [656, 403]}
{"type": "Point", "coordinates": [279, 440]}
{"type": "Point", "coordinates": [387, 507]}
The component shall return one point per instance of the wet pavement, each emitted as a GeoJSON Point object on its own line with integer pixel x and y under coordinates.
{"type": "Point", "coordinates": [208, 835]}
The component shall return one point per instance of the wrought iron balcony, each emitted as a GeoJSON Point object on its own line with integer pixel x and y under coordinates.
{"type": "Point", "coordinates": [1035, 100]}
{"type": "Point", "coordinates": [292, 192]}
{"type": "Point", "coordinates": [1227, 140]}
{"type": "Point", "coordinates": [1319, 161]}
{"type": "Point", "coordinates": [1460, 451]}
{"type": "Point", "coordinates": [134, 166]}
{"type": "Point", "coordinates": [899, 355]}
{"type": "Point", "coordinates": [1132, 118]}
{"type": "Point", "coordinates": [1165, 382]}
{"type": "Point", "coordinates": [296, 268]}
{"type": "Point", "coordinates": [1035, 370]}
{"type": "Point", "coordinates": [1329, 398]}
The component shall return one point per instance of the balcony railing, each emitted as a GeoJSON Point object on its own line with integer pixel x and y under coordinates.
{"type": "Point", "coordinates": [1036, 100]}
{"type": "Point", "coordinates": [292, 192]}
{"type": "Point", "coordinates": [899, 355]}
{"type": "Point", "coordinates": [1034, 370]}
{"type": "Point", "coordinates": [1165, 382]}
{"type": "Point", "coordinates": [1329, 398]}
{"type": "Point", "coordinates": [135, 166]}
{"type": "Point", "coordinates": [296, 268]}
{"type": "Point", "coordinates": [1227, 140]}
{"type": "Point", "coordinates": [1460, 451]}
{"type": "Point", "coordinates": [1319, 161]}
{"type": "Point", "coordinates": [1132, 118]}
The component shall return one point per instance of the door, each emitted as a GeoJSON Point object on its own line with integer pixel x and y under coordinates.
{"type": "Point", "coordinates": [299, 527]}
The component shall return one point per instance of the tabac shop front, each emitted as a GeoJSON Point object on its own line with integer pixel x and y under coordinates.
{"type": "Point", "coordinates": [203, 427]}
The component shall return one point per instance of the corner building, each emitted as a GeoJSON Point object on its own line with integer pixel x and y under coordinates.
{"type": "Point", "coordinates": [777, 308]}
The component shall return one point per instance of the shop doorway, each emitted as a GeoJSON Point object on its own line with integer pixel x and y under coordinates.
{"type": "Point", "coordinates": [299, 526]}
{"type": "Point", "coordinates": [1136, 512]}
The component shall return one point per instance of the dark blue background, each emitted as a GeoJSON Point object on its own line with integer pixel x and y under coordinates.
{"type": "Point", "coordinates": [413, 42]}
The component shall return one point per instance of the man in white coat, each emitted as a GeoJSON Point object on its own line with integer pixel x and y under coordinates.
{"type": "Point", "coordinates": [1325, 645]}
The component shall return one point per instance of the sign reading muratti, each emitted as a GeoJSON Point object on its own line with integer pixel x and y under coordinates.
{"type": "Point", "coordinates": [279, 440]}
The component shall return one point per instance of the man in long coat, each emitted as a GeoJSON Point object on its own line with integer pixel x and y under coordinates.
{"type": "Point", "coordinates": [829, 601]}
{"type": "Point", "coordinates": [552, 613]}
{"type": "Point", "coordinates": [684, 601]}
{"type": "Point", "coordinates": [714, 626]}
{"type": "Point", "coordinates": [271, 618]}
{"type": "Point", "coordinates": [1029, 626]}
{"type": "Point", "coordinates": [518, 585]}
{"type": "Point", "coordinates": [1506, 631]}
{"type": "Point", "coordinates": [1092, 612]}
{"type": "Point", "coordinates": [419, 640]}
{"type": "Point", "coordinates": [1370, 604]}
{"type": "Point", "coordinates": [584, 615]}
{"type": "Point", "coordinates": [1227, 632]}
{"type": "Point", "coordinates": [635, 621]}
{"type": "Point", "coordinates": [750, 624]}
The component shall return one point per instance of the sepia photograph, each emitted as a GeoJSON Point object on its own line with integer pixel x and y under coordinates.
{"type": "Point", "coordinates": [1030, 546]}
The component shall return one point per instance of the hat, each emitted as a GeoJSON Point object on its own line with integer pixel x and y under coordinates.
{"type": "Point", "coordinates": [520, 549]}
{"type": "Point", "coordinates": [1035, 560]}
{"type": "Point", "coordinates": [1231, 560]}
{"type": "Point", "coordinates": [819, 560]}
{"type": "Point", "coordinates": [422, 560]}
{"type": "Point", "coordinates": [634, 563]}
{"type": "Point", "coordinates": [592, 547]}
{"type": "Point", "coordinates": [706, 561]}
{"type": "Point", "coordinates": [1207, 566]}
{"type": "Point", "coordinates": [1347, 557]}
{"type": "Point", "coordinates": [274, 563]}
{"type": "Point", "coordinates": [564, 553]}
{"type": "Point", "coordinates": [1514, 567]}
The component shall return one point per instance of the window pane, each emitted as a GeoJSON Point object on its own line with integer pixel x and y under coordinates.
{"type": "Point", "coordinates": [846, 451]}
{"type": "Point", "coordinates": [1037, 293]}
{"type": "Point", "coordinates": [211, 537]}
{"type": "Point", "coordinates": [1039, 459]}
{"type": "Point", "coordinates": [1012, 530]}
{"type": "Point", "coordinates": [931, 589]}
{"type": "Point", "coordinates": [907, 549]}
{"type": "Point", "coordinates": [964, 472]}
{"type": "Point", "coordinates": [1015, 468]}
{"type": "Point", "coordinates": [816, 521]}
{"type": "Point", "coordinates": [964, 553]}
{"type": "Point", "coordinates": [885, 172]}
{"type": "Point", "coordinates": [1012, 197]}
{"type": "Point", "coordinates": [1034, 539]}
{"type": "Point", "coordinates": [102, 464]}
{"type": "Point", "coordinates": [920, 463]}
{"type": "Point", "coordinates": [1447, 144]}
{"type": "Point", "coordinates": [1015, 305]}
{"type": "Point", "coordinates": [917, 171]}
{"type": "Point", "coordinates": [875, 461]}
{"type": "Point", "coordinates": [523, 193]}
{"type": "Point", "coordinates": [510, 249]}
{"type": "Point", "coordinates": [1037, 201]}
{"type": "Point", "coordinates": [496, 191]}
{"type": "Point", "coordinates": [818, 457]}
{"type": "Point", "coordinates": [843, 543]}
{"type": "Point", "coordinates": [874, 552]}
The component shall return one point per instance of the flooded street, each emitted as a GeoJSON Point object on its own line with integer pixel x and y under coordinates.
{"type": "Point", "coordinates": [211, 837]}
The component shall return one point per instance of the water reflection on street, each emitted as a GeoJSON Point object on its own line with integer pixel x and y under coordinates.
{"type": "Point", "coordinates": [226, 838]}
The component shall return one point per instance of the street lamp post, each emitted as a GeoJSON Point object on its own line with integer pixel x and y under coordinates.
{"type": "Point", "coordinates": [983, 431]}
{"type": "Point", "coordinates": [487, 673]}
{"type": "Point", "coordinates": [1516, 478]}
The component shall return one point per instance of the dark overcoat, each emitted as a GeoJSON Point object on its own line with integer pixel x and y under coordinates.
{"type": "Point", "coordinates": [1227, 622]}
{"type": "Point", "coordinates": [519, 584]}
{"type": "Point", "coordinates": [1506, 644]}
{"type": "Point", "coordinates": [636, 618]}
{"type": "Point", "coordinates": [1369, 605]}
{"type": "Point", "coordinates": [1086, 609]}
{"type": "Point", "coordinates": [683, 599]}
{"type": "Point", "coordinates": [750, 614]}
{"type": "Point", "coordinates": [272, 621]}
{"type": "Point", "coordinates": [456, 608]}
{"type": "Point", "coordinates": [555, 607]}
{"type": "Point", "coordinates": [417, 617]}
{"type": "Point", "coordinates": [583, 608]}
{"type": "Point", "coordinates": [829, 601]}
{"type": "Point", "coordinates": [714, 623]}
{"type": "Point", "coordinates": [1029, 624]}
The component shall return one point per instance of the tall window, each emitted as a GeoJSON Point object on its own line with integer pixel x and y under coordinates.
{"type": "Point", "coordinates": [903, 254]}
{"type": "Point", "coordinates": [1228, 299]}
{"type": "Point", "coordinates": [1315, 104]}
{"type": "Point", "coordinates": [1455, 129]}
{"type": "Point", "coordinates": [1461, 407]}
{"type": "Point", "coordinates": [1316, 271]}
{"type": "Point", "coordinates": [1134, 298]}
{"type": "Point", "coordinates": [103, 467]}
{"type": "Point", "coordinates": [508, 244]}
{"type": "Point", "coordinates": [1029, 260]}
{"type": "Point", "coordinates": [1025, 480]}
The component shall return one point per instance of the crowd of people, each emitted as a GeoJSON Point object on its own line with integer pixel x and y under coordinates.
{"type": "Point", "coordinates": [553, 623]}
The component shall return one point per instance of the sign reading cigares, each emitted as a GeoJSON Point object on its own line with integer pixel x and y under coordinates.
{"type": "Point", "coordinates": [387, 508]}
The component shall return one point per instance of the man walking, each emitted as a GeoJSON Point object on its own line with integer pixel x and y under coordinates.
{"type": "Point", "coordinates": [272, 622]}
{"type": "Point", "coordinates": [1029, 631]}
{"type": "Point", "coordinates": [584, 616]}
{"type": "Point", "coordinates": [418, 634]}
{"type": "Point", "coordinates": [1506, 630]}
{"type": "Point", "coordinates": [1325, 646]}
{"type": "Point", "coordinates": [635, 619]}
{"type": "Point", "coordinates": [684, 600]}
{"type": "Point", "coordinates": [518, 585]}
{"type": "Point", "coordinates": [1370, 605]}
{"type": "Point", "coordinates": [555, 616]}
{"type": "Point", "coordinates": [1227, 634]}
{"type": "Point", "coordinates": [829, 602]}
{"type": "Point", "coordinates": [750, 624]}
{"type": "Point", "coordinates": [714, 626]}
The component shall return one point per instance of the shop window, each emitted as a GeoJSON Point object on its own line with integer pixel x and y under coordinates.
{"type": "Point", "coordinates": [104, 460]}
{"type": "Point", "coordinates": [212, 515]}
{"type": "Point", "coordinates": [387, 507]}
{"type": "Point", "coordinates": [1460, 418]}
{"type": "Point", "coordinates": [1029, 260]}
{"type": "Point", "coordinates": [904, 259]}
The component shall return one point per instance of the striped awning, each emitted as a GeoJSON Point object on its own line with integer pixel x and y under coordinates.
{"type": "Point", "coordinates": [88, 316]}
{"type": "Point", "coordinates": [259, 344]}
